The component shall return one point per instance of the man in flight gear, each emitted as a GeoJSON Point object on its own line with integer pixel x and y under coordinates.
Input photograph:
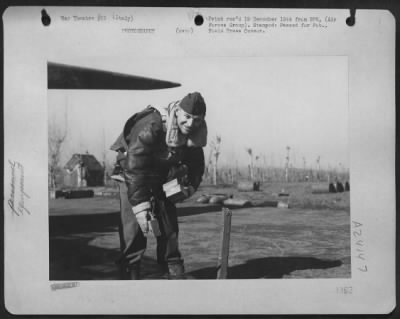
{"type": "Point", "coordinates": [154, 148]}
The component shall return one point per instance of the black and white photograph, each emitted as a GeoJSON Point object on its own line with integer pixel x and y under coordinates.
{"type": "Point", "coordinates": [216, 168]}
{"type": "Point", "coordinates": [199, 161]}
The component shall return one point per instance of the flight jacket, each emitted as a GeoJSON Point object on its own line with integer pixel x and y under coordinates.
{"type": "Point", "coordinates": [149, 162]}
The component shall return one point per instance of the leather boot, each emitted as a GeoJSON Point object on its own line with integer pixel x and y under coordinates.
{"type": "Point", "coordinates": [130, 272]}
{"type": "Point", "coordinates": [135, 271]}
{"type": "Point", "coordinates": [176, 271]}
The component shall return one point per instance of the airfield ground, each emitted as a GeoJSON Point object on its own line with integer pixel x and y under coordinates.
{"type": "Point", "coordinates": [311, 239]}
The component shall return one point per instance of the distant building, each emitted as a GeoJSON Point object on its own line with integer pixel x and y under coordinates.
{"type": "Point", "coordinates": [83, 170]}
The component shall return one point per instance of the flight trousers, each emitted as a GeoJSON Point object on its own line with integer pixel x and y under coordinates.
{"type": "Point", "coordinates": [133, 242]}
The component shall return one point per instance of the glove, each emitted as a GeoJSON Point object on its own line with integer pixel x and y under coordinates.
{"type": "Point", "coordinates": [142, 214]}
{"type": "Point", "coordinates": [188, 191]}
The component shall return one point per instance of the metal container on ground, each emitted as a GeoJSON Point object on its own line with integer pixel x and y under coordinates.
{"type": "Point", "coordinates": [283, 200]}
{"type": "Point", "coordinates": [248, 186]}
{"type": "Point", "coordinates": [320, 188]}
{"type": "Point", "coordinates": [203, 199]}
{"type": "Point", "coordinates": [339, 187]}
{"type": "Point", "coordinates": [218, 199]}
{"type": "Point", "coordinates": [234, 202]}
{"type": "Point", "coordinates": [84, 193]}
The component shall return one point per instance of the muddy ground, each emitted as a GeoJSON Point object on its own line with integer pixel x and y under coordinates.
{"type": "Point", "coordinates": [310, 239]}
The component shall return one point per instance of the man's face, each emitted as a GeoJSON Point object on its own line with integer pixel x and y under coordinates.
{"type": "Point", "coordinates": [188, 123]}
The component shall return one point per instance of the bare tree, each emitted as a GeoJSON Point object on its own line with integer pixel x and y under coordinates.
{"type": "Point", "coordinates": [287, 163]}
{"type": "Point", "coordinates": [329, 173]}
{"type": "Point", "coordinates": [258, 167]}
{"type": "Point", "coordinates": [209, 166]}
{"type": "Point", "coordinates": [318, 167]}
{"type": "Point", "coordinates": [264, 168]}
{"type": "Point", "coordinates": [305, 176]}
{"type": "Point", "coordinates": [56, 138]}
{"type": "Point", "coordinates": [251, 166]}
{"type": "Point", "coordinates": [215, 146]}
{"type": "Point", "coordinates": [104, 159]}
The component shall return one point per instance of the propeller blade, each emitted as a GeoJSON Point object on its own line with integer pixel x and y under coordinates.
{"type": "Point", "coordinates": [63, 76]}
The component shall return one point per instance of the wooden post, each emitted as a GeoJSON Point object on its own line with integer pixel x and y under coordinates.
{"type": "Point", "coordinates": [222, 265]}
{"type": "Point", "coordinates": [287, 164]}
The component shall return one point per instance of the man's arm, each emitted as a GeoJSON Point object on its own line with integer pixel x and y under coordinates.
{"type": "Point", "coordinates": [140, 174]}
{"type": "Point", "coordinates": [144, 140]}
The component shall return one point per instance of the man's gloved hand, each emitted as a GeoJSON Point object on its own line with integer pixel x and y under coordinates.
{"type": "Point", "coordinates": [142, 213]}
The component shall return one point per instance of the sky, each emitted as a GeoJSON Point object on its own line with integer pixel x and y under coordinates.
{"type": "Point", "coordinates": [262, 103]}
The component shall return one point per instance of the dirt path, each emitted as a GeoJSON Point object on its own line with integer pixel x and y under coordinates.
{"type": "Point", "coordinates": [271, 243]}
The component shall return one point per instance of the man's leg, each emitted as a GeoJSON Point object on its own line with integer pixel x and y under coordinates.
{"type": "Point", "coordinates": [167, 244]}
{"type": "Point", "coordinates": [132, 240]}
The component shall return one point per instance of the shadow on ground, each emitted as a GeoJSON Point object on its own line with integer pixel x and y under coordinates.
{"type": "Point", "coordinates": [86, 247]}
{"type": "Point", "coordinates": [74, 258]}
{"type": "Point", "coordinates": [268, 267]}
{"type": "Point", "coordinates": [68, 224]}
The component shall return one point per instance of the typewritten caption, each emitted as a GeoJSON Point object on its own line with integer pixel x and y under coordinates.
{"type": "Point", "coordinates": [127, 19]}
{"type": "Point", "coordinates": [16, 200]}
{"type": "Point", "coordinates": [215, 24]}
{"type": "Point", "coordinates": [263, 24]}
{"type": "Point", "coordinates": [99, 18]}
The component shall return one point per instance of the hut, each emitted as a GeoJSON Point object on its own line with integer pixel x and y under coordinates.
{"type": "Point", "coordinates": [83, 170]}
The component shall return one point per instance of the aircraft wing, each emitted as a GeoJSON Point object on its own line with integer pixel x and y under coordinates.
{"type": "Point", "coordinates": [63, 76]}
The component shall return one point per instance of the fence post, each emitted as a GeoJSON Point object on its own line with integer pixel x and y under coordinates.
{"type": "Point", "coordinates": [222, 265]}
